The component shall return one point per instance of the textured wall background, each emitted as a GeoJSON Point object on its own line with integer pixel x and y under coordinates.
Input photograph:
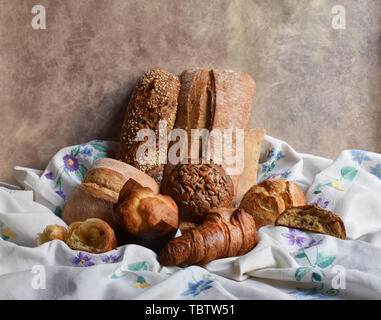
{"type": "Point", "coordinates": [317, 88]}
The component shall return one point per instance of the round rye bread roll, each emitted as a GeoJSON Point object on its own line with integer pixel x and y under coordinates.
{"type": "Point", "coordinates": [268, 199]}
{"type": "Point", "coordinates": [198, 188]}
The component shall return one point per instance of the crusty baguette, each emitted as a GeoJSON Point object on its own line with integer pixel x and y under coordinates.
{"type": "Point", "coordinates": [99, 190]}
{"type": "Point", "coordinates": [153, 99]}
{"type": "Point", "coordinates": [314, 219]}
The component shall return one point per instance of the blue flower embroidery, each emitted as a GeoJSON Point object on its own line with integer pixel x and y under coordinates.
{"type": "Point", "coordinates": [271, 154]}
{"type": "Point", "coordinates": [280, 155]}
{"type": "Point", "coordinates": [294, 236]}
{"type": "Point", "coordinates": [87, 152]}
{"type": "Point", "coordinates": [197, 288]}
{"type": "Point", "coordinates": [359, 156]}
{"type": "Point", "coordinates": [376, 171]}
{"type": "Point", "coordinates": [321, 203]}
{"type": "Point", "coordinates": [285, 174]}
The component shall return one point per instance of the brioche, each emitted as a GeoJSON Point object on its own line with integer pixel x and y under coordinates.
{"type": "Point", "coordinates": [93, 235]}
{"type": "Point", "coordinates": [268, 199]}
{"type": "Point", "coordinates": [96, 196]}
{"type": "Point", "coordinates": [144, 217]}
{"type": "Point", "coordinates": [224, 233]}
{"type": "Point", "coordinates": [51, 232]}
{"type": "Point", "coordinates": [314, 219]}
{"type": "Point", "coordinates": [153, 99]}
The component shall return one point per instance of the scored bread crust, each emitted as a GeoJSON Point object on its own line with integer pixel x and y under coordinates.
{"type": "Point", "coordinates": [314, 219]}
{"type": "Point", "coordinates": [268, 199]}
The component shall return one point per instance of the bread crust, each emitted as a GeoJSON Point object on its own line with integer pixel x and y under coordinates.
{"type": "Point", "coordinates": [144, 217]}
{"type": "Point", "coordinates": [153, 99]}
{"type": "Point", "coordinates": [96, 196]}
{"type": "Point", "coordinates": [51, 232]}
{"type": "Point", "coordinates": [268, 199]}
{"type": "Point", "coordinates": [314, 219]}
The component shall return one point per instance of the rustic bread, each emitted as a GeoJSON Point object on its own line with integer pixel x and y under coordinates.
{"type": "Point", "coordinates": [153, 99]}
{"type": "Point", "coordinates": [144, 217]}
{"type": "Point", "coordinates": [93, 235]}
{"type": "Point", "coordinates": [268, 199]}
{"type": "Point", "coordinates": [252, 149]}
{"type": "Point", "coordinates": [312, 218]}
{"type": "Point", "coordinates": [51, 232]}
{"type": "Point", "coordinates": [224, 233]}
{"type": "Point", "coordinates": [99, 190]}
{"type": "Point", "coordinates": [197, 188]}
{"type": "Point", "coordinates": [212, 99]}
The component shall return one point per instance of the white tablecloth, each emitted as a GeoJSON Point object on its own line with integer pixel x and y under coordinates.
{"type": "Point", "coordinates": [286, 263]}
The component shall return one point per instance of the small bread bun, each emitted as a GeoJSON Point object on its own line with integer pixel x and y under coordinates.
{"type": "Point", "coordinates": [268, 199]}
{"type": "Point", "coordinates": [93, 235]}
{"type": "Point", "coordinates": [51, 232]}
{"type": "Point", "coordinates": [96, 196]}
{"type": "Point", "coordinates": [198, 188]}
{"type": "Point", "coordinates": [314, 219]}
{"type": "Point", "coordinates": [144, 217]}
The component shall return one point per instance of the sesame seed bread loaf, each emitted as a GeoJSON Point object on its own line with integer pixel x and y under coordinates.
{"type": "Point", "coordinates": [268, 199]}
{"type": "Point", "coordinates": [153, 99]}
{"type": "Point", "coordinates": [314, 219]}
{"type": "Point", "coordinates": [99, 190]}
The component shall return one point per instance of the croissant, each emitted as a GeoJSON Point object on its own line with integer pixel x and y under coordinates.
{"type": "Point", "coordinates": [224, 233]}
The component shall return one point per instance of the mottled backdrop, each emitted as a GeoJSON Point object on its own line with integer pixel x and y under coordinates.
{"type": "Point", "coordinates": [317, 88]}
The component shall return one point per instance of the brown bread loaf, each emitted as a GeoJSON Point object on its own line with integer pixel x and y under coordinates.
{"type": "Point", "coordinates": [268, 199]}
{"type": "Point", "coordinates": [96, 196]}
{"type": "Point", "coordinates": [212, 99]}
{"type": "Point", "coordinates": [314, 219]}
{"type": "Point", "coordinates": [224, 233]}
{"type": "Point", "coordinates": [153, 99]}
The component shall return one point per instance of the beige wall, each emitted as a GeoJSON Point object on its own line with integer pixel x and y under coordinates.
{"type": "Point", "coordinates": [317, 88]}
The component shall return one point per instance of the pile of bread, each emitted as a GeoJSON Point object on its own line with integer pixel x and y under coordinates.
{"type": "Point", "coordinates": [121, 201]}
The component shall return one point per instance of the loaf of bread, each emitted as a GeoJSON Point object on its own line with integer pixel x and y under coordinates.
{"type": "Point", "coordinates": [198, 188]}
{"type": "Point", "coordinates": [92, 235]}
{"type": "Point", "coordinates": [252, 149]}
{"type": "Point", "coordinates": [268, 199]}
{"type": "Point", "coordinates": [153, 99]}
{"type": "Point", "coordinates": [51, 232]}
{"type": "Point", "coordinates": [144, 217]}
{"type": "Point", "coordinates": [212, 99]}
{"type": "Point", "coordinates": [224, 233]}
{"type": "Point", "coordinates": [314, 219]}
{"type": "Point", "coordinates": [99, 190]}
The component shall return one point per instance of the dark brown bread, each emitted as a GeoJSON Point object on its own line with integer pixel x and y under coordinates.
{"type": "Point", "coordinates": [198, 188]}
{"type": "Point", "coordinates": [224, 233]}
{"type": "Point", "coordinates": [314, 219]}
{"type": "Point", "coordinates": [153, 99]}
{"type": "Point", "coordinates": [213, 99]}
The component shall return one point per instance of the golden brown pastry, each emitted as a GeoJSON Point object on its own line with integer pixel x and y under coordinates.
{"type": "Point", "coordinates": [314, 219]}
{"type": "Point", "coordinates": [224, 233]}
{"type": "Point", "coordinates": [93, 235]}
{"type": "Point", "coordinates": [197, 188]}
{"type": "Point", "coordinates": [153, 99]}
{"type": "Point", "coordinates": [51, 232]}
{"type": "Point", "coordinates": [268, 199]}
{"type": "Point", "coordinates": [99, 190]}
{"type": "Point", "coordinates": [144, 217]}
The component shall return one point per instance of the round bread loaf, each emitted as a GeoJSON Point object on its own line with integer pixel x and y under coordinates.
{"type": "Point", "coordinates": [197, 188]}
{"type": "Point", "coordinates": [96, 196]}
{"type": "Point", "coordinates": [268, 199]}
